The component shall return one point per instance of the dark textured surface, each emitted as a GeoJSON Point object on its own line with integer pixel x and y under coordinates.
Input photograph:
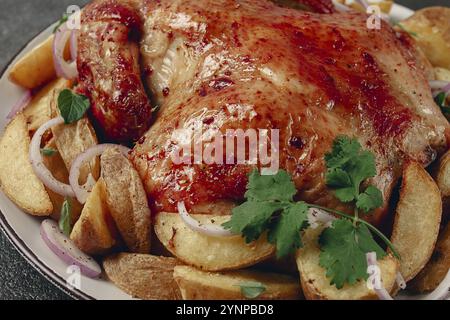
{"type": "Point", "coordinates": [20, 20]}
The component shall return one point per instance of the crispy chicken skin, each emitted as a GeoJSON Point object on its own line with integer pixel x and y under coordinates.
{"type": "Point", "coordinates": [232, 64]}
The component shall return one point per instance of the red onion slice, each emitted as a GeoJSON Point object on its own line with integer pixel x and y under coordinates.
{"type": "Point", "coordinates": [439, 85]}
{"type": "Point", "coordinates": [38, 165]}
{"type": "Point", "coordinates": [317, 216]}
{"type": "Point", "coordinates": [400, 281]}
{"type": "Point", "coordinates": [74, 45]}
{"type": "Point", "coordinates": [20, 105]}
{"type": "Point", "coordinates": [66, 250]}
{"type": "Point", "coordinates": [82, 192]}
{"type": "Point", "coordinates": [207, 229]}
{"type": "Point", "coordinates": [380, 291]}
{"type": "Point", "coordinates": [63, 68]}
{"type": "Point", "coordinates": [340, 7]}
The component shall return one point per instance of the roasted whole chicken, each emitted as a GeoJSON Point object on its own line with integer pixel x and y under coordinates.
{"type": "Point", "coordinates": [240, 64]}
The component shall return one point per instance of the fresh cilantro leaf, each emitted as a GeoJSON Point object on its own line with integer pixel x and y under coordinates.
{"type": "Point", "coordinates": [48, 152]}
{"type": "Point", "coordinates": [64, 220]}
{"type": "Point", "coordinates": [371, 199]}
{"type": "Point", "coordinates": [252, 218]}
{"type": "Point", "coordinates": [72, 106]}
{"type": "Point", "coordinates": [61, 21]}
{"type": "Point", "coordinates": [277, 187]}
{"type": "Point", "coordinates": [348, 166]}
{"type": "Point", "coordinates": [344, 247]}
{"type": "Point", "coordinates": [251, 290]}
{"type": "Point", "coordinates": [286, 234]}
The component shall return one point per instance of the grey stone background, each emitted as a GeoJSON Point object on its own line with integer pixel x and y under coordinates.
{"type": "Point", "coordinates": [21, 20]}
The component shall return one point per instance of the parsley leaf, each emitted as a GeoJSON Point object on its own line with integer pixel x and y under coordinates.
{"type": "Point", "coordinates": [72, 106]}
{"type": "Point", "coordinates": [286, 232]}
{"type": "Point", "coordinates": [251, 290]}
{"type": "Point", "coordinates": [64, 220]}
{"type": "Point", "coordinates": [270, 206]}
{"type": "Point", "coordinates": [48, 152]}
{"type": "Point", "coordinates": [344, 247]}
{"type": "Point", "coordinates": [61, 21]}
{"type": "Point", "coordinates": [348, 166]}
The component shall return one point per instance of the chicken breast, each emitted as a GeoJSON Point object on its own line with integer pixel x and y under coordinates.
{"type": "Point", "coordinates": [250, 64]}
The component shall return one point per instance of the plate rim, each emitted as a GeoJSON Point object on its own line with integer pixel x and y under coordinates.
{"type": "Point", "coordinates": [18, 244]}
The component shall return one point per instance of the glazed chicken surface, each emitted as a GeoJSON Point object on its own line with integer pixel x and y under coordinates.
{"type": "Point", "coordinates": [240, 64]}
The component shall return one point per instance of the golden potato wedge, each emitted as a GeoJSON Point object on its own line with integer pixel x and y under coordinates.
{"type": "Point", "coordinates": [143, 276]}
{"type": "Point", "coordinates": [442, 74]}
{"type": "Point", "coordinates": [436, 269]}
{"type": "Point", "coordinates": [127, 200]}
{"type": "Point", "coordinates": [432, 29]}
{"type": "Point", "coordinates": [201, 285]}
{"type": "Point", "coordinates": [56, 166]}
{"type": "Point", "coordinates": [417, 219]}
{"type": "Point", "coordinates": [39, 110]}
{"type": "Point", "coordinates": [206, 252]}
{"type": "Point", "coordinates": [74, 139]}
{"type": "Point", "coordinates": [91, 234]}
{"type": "Point", "coordinates": [443, 175]}
{"type": "Point", "coordinates": [316, 285]}
{"type": "Point", "coordinates": [17, 177]}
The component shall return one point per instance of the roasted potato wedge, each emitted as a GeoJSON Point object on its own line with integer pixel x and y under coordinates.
{"type": "Point", "coordinates": [127, 200]}
{"type": "Point", "coordinates": [39, 110]}
{"type": "Point", "coordinates": [36, 67]}
{"type": "Point", "coordinates": [436, 269]}
{"type": "Point", "coordinates": [201, 285]}
{"type": "Point", "coordinates": [443, 175]}
{"type": "Point", "coordinates": [56, 166]}
{"type": "Point", "coordinates": [417, 219]}
{"type": "Point", "coordinates": [206, 252]}
{"type": "Point", "coordinates": [316, 285]}
{"type": "Point", "coordinates": [17, 177]}
{"type": "Point", "coordinates": [91, 233]}
{"type": "Point", "coordinates": [74, 139]}
{"type": "Point", "coordinates": [143, 276]}
{"type": "Point", "coordinates": [431, 29]}
{"type": "Point", "coordinates": [442, 74]}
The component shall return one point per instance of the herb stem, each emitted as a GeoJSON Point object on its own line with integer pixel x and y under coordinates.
{"type": "Point", "coordinates": [370, 226]}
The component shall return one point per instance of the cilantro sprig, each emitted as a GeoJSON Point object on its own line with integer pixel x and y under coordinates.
{"type": "Point", "coordinates": [270, 207]}
{"type": "Point", "coordinates": [440, 100]}
{"type": "Point", "coordinates": [251, 289]}
{"type": "Point", "coordinates": [72, 106]}
{"type": "Point", "coordinates": [65, 218]}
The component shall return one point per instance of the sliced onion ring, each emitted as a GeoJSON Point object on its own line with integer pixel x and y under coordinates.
{"type": "Point", "coordinates": [20, 104]}
{"type": "Point", "coordinates": [340, 7]}
{"type": "Point", "coordinates": [207, 229]}
{"type": "Point", "coordinates": [82, 192]}
{"type": "Point", "coordinates": [37, 161]}
{"type": "Point", "coordinates": [63, 68]}
{"type": "Point", "coordinates": [74, 45]}
{"type": "Point", "coordinates": [441, 292]}
{"type": "Point", "coordinates": [316, 216]}
{"type": "Point", "coordinates": [438, 85]}
{"type": "Point", "coordinates": [66, 250]}
{"type": "Point", "coordinates": [400, 281]}
{"type": "Point", "coordinates": [380, 291]}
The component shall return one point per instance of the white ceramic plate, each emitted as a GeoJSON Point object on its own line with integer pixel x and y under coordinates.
{"type": "Point", "coordinates": [23, 230]}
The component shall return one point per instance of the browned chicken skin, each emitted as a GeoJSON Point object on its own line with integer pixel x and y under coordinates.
{"type": "Point", "coordinates": [232, 64]}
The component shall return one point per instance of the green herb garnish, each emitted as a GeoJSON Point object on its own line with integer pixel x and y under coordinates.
{"type": "Point", "coordinates": [61, 21]}
{"type": "Point", "coordinates": [48, 152]}
{"type": "Point", "coordinates": [440, 100]}
{"type": "Point", "coordinates": [65, 218]}
{"type": "Point", "coordinates": [251, 290]}
{"type": "Point", "coordinates": [72, 106]}
{"type": "Point", "coordinates": [270, 207]}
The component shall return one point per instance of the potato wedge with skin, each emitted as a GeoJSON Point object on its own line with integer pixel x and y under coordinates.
{"type": "Point", "coordinates": [201, 285]}
{"type": "Point", "coordinates": [431, 28]}
{"type": "Point", "coordinates": [442, 74]}
{"type": "Point", "coordinates": [17, 178]}
{"type": "Point", "coordinates": [436, 269]}
{"type": "Point", "coordinates": [36, 67]}
{"type": "Point", "coordinates": [206, 252]}
{"type": "Point", "coordinates": [127, 200]}
{"type": "Point", "coordinates": [74, 139]}
{"type": "Point", "coordinates": [91, 234]}
{"type": "Point", "coordinates": [417, 219]}
{"type": "Point", "coordinates": [143, 276]}
{"type": "Point", "coordinates": [39, 110]}
{"type": "Point", "coordinates": [443, 175]}
{"type": "Point", "coordinates": [316, 285]}
{"type": "Point", "coordinates": [55, 164]}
